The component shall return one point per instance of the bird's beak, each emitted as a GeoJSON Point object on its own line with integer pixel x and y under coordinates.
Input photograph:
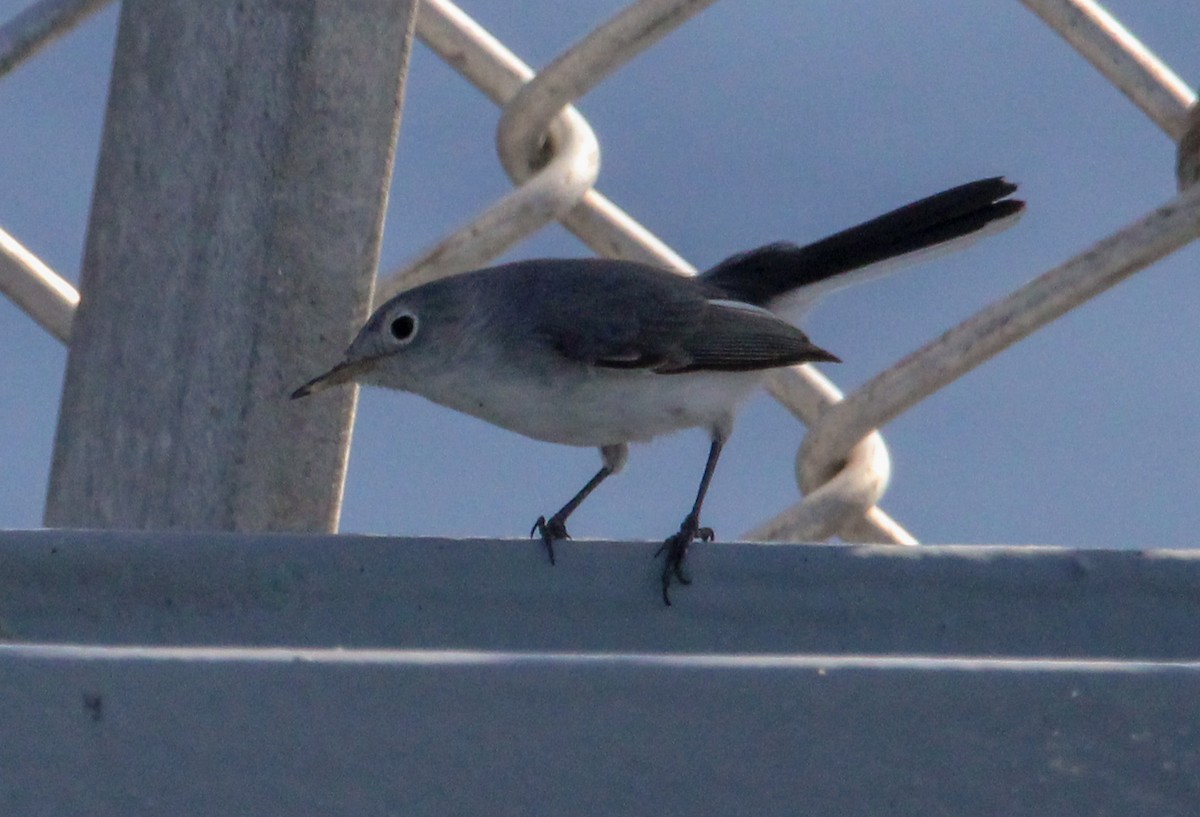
{"type": "Point", "coordinates": [341, 373]}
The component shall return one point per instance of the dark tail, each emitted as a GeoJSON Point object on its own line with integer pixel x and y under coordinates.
{"type": "Point", "coordinates": [761, 275]}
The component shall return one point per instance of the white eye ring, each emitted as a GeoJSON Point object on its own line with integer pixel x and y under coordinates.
{"type": "Point", "coordinates": [403, 327]}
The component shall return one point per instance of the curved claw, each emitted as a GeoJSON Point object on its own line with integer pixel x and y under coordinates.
{"type": "Point", "coordinates": [550, 529]}
{"type": "Point", "coordinates": [676, 547]}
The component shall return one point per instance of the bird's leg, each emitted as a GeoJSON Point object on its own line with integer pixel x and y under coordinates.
{"type": "Point", "coordinates": [676, 546]}
{"type": "Point", "coordinates": [556, 526]}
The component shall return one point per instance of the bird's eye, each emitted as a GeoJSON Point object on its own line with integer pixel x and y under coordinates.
{"type": "Point", "coordinates": [403, 327]}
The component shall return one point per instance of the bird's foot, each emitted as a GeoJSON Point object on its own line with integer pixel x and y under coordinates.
{"type": "Point", "coordinates": [550, 529]}
{"type": "Point", "coordinates": [676, 549]}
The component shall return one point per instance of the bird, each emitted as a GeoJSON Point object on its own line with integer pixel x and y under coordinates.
{"type": "Point", "coordinates": [603, 352]}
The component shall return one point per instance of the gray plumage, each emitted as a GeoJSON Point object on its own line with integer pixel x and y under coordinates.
{"type": "Point", "coordinates": [599, 352]}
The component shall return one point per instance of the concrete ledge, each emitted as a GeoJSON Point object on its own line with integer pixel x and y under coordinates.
{"type": "Point", "coordinates": [104, 731]}
{"type": "Point", "coordinates": [282, 675]}
{"type": "Point", "coordinates": [356, 591]}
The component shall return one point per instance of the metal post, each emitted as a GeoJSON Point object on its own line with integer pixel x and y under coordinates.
{"type": "Point", "coordinates": [233, 241]}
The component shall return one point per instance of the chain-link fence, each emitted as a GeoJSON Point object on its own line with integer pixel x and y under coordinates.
{"type": "Point", "coordinates": [552, 155]}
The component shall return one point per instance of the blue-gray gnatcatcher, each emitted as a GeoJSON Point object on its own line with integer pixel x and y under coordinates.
{"type": "Point", "coordinates": [597, 352]}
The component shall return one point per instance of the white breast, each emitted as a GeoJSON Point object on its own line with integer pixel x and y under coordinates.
{"type": "Point", "coordinates": [597, 407]}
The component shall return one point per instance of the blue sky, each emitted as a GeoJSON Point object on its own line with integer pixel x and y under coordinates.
{"type": "Point", "coordinates": [756, 121]}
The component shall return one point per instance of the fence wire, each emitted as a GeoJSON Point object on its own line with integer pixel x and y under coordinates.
{"type": "Point", "coordinates": [552, 155]}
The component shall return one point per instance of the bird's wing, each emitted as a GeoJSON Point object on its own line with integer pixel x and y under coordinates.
{"type": "Point", "coordinates": [627, 316]}
{"type": "Point", "coordinates": [618, 315]}
{"type": "Point", "coordinates": [734, 336]}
